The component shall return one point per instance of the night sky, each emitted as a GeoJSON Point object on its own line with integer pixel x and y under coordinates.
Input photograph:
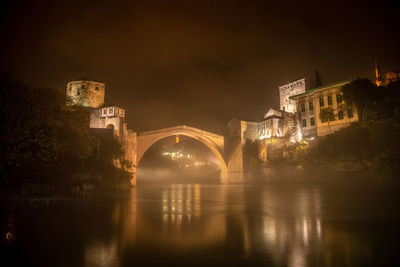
{"type": "Point", "coordinates": [198, 63]}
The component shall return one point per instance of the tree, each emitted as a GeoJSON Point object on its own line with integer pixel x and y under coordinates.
{"type": "Point", "coordinates": [365, 95]}
{"type": "Point", "coordinates": [327, 115]}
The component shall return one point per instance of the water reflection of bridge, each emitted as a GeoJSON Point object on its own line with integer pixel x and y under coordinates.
{"type": "Point", "coordinates": [254, 222]}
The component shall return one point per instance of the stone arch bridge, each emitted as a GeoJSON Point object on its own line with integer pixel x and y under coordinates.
{"type": "Point", "coordinates": [229, 154]}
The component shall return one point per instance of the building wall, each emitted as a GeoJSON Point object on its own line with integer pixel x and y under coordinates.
{"type": "Point", "coordinates": [86, 93]}
{"type": "Point", "coordinates": [243, 129]}
{"type": "Point", "coordinates": [322, 128]}
{"type": "Point", "coordinates": [107, 117]}
{"type": "Point", "coordinates": [249, 130]}
{"type": "Point", "coordinates": [271, 127]}
{"type": "Point", "coordinates": [290, 89]}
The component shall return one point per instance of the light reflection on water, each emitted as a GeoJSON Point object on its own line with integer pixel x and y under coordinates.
{"type": "Point", "coordinates": [263, 224]}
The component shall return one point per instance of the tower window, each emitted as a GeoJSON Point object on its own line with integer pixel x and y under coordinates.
{"type": "Point", "coordinates": [83, 86]}
{"type": "Point", "coordinates": [97, 88]}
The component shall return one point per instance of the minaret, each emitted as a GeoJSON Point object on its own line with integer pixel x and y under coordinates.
{"type": "Point", "coordinates": [378, 74]}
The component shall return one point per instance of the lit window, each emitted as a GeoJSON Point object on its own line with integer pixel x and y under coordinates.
{"type": "Point", "coordinates": [350, 113]}
{"type": "Point", "coordinates": [340, 115]}
{"type": "Point", "coordinates": [310, 106]}
{"type": "Point", "coordinates": [312, 121]}
{"type": "Point", "coordinates": [321, 102]}
{"type": "Point", "coordinates": [303, 107]}
{"type": "Point", "coordinates": [104, 111]}
{"type": "Point", "coordinates": [110, 110]}
{"type": "Point", "coordinates": [304, 122]}
{"type": "Point", "coordinates": [330, 102]}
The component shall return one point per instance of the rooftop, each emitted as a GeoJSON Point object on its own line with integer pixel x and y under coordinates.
{"type": "Point", "coordinates": [322, 88]}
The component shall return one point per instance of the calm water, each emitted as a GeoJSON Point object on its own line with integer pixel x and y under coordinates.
{"type": "Point", "coordinates": [213, 225]}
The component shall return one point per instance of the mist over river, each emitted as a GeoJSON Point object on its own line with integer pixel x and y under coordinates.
{"type": "Point", "coordinates": [211, 224]}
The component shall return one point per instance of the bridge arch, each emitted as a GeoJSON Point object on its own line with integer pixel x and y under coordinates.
{"type": "Point", "coordinates": [213, 141]}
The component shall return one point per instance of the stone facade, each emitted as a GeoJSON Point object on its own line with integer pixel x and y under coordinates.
{"type": "Point", "coordinates": [243, 129]}
{"type": "Point", "coordinates": [86, 93]}
{"type": "Point", "coordinates": [111, 117]}
{"type": "Point", "coordinates": [288, 90]}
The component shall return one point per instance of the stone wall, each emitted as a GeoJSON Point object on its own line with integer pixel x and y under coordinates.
{"type": "Point", "coordinates": [271, 149]}
{"type": "Point", "coordinates": [86, 93]}
{"type": "Point", "coordinates": [249, 130]}
{"type": "Point", "coordinates": [325, 130]}
{"type": "Point", "coordinates": [290, 89]}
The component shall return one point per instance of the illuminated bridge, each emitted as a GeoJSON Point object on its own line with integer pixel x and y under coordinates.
{"type": "Point", "coordinates": [229, 155]}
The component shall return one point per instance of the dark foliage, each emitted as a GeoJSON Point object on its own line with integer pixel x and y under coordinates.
{"type": "Point", "coordinates": [43, 140]}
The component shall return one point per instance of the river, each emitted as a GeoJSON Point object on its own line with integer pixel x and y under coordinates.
{"type": "Point", "coordinates": [186, 224]}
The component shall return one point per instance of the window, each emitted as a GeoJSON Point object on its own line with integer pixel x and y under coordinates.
{"type": "Point", "coordinates": [339, 98]}
{"type": "Point", "coordinates": [104, 111]}
{"type": "Point", "coordinates": [310, 106]}
{"type": "Point", "coordinates": [332, 117]}
{"type": "Point", "coordinates": [312, 121]}
{"type": "Point", "coordinates": [330, 102]}
{"type": "Point", "coordinates": [110, 110]}
{"type": "Point", "coordinates": [350, 113]}
{"type": "Point", "coordinates": [303, 107]}
{"type": "Point", "coordinates": [304, 122]}
{"type": "Point", "coordinates": [117, 111]}
{"type": "Point", "coordinates": [340, 115]}
{"type": "Point", "coordinates": [97, 88]}
{"type": "Point", "coordinates": [321, 102]}
{"type": "Point", "coordinates": [83, 86]}
{"type": "Point", "coordinates": [77, 92]}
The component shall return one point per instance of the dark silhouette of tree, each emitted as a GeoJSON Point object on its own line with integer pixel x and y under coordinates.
{"type": "Point", "coordinates": [43, 140]}
{"type": "Point", "coordinates": [318, 80]}
{"type": "Point", "coordinates": [327, 115]}
{"type": "Point", "coordinates": [365, 96]}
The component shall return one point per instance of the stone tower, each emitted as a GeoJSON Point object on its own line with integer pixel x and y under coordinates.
{"type": "Point", "coordinates": [86, 93]}
{"type": "Point", "coordinates": [288, 90]}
